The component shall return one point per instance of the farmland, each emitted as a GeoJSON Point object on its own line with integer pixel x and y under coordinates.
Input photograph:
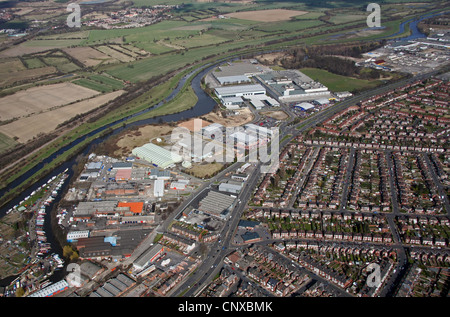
{"type": "Point", "coordinates": [266, 15]}
{"type": "Point", "coordinates": [28, 127]}
{"type": "Point", "coordinates": [39, 99]}
{"type": "Point", "coordinates": [88, 56]}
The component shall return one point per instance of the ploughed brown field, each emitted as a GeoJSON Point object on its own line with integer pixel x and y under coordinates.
{"type": "Point", "coordinates": [274, 15]}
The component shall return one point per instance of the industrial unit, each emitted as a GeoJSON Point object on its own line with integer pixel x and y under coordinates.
{"type": "Point", "coordinates": [217, 204]}
{"type": "Point", "coordinates": [147, 257]}
{"type": "Point", "coordinates": [305, 106]}
{"type": "Point", "coordinates": [157, 155]}
{"type": "Point", "coordinates": [292, 85]}
{"type": "Point", "coordinates": [240, 91]}
{"type": "Point", "coordinates": [230, 188]}
{"type": "Point", "coordinates": [243, 68]}
{"type": "Point", "coordinates": [233, 80]}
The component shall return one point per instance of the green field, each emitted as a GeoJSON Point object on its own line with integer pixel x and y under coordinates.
{"type": "Point", "coordinates": [93, 85]}
{"type": "Point", "coordinates": [337, 83]}
{"type": "Point", "coordinates": [6, 143]}
{"type": "Point", "coordinates": [113, 83]}
{"type": "Point", "coordinates": [34, 62]}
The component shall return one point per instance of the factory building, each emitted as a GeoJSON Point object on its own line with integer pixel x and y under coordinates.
{"type": "Point", "coordinates": [292, 85]}
{"type": "Point", "coordinates": [233, 80]}
{"type": "Point", "coordinates": [242, 68]}
{"type": "Point", "coordinates": [212, 130]}
{"type": "Point", "coordinates": [158, 188]}
{"type": "Point", "coordinates": [232, 103]}
{"type": "Point", "coordinates": [261, 101]}
{"type": "Point", "coordinates": [240, 91]}
{"type": "Point", "coordinates": [305, 106]}
{"type": "Point", "coordinates": [232, 188]}
{"type": "Point", "coordinates": [217, 204]}
{"type": "Point", "coordinates": [148, 257]}
{"type": "Point", "coordinates": [73, 236]}
{"type": "Point", "coordinates": [51, 290]}
{"type": "Point", "coordinates": [157, 155]}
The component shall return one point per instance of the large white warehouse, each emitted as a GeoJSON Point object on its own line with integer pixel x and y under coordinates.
{"type": "Point", "coordinates": [240, 91]}
{"type": "Point", "coordinates": [157, 155]}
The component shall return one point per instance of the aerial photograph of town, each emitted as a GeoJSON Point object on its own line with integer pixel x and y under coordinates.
{"type": "Point", "coordinates": [246, 153]}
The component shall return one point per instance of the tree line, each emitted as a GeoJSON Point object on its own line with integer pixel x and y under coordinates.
{"type": "Point", "coordinates": [330, 58]}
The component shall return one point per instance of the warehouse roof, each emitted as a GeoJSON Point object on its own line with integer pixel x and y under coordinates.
{"type": "Point", "coordinates": [89, 207]}
{"type": "Point", "coordinates": [232, 79]}
{"type": "Point", "coordinates": [157, 155]}
{"type": "Point", "coordinates": [249, 236]}
{"type": "Point", "coordinates": [216, 202]}
{"type": "Point", "coordinates": [229, 187]}
{"type": "Point", "coordinates": [305, 106]}
{"type": "Point", "coordinates": [158, 188]}
{"type": "Point", "coordinates": [241, 89]}
{"type": "Point", "coordinates": [119, 165]}
{"type": "Point", "coordinates": [123, 174]}
{"type": "Point", "coordinates": [135, 207]}
{"type": "Point", "coordinates": [236, 69]}
{"type": "Point", "coordinates": [94, 165]}
{"type": "Point", "coordinates": [148, 256]}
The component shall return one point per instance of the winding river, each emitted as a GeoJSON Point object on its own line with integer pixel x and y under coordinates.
{"type": "Point", "coordinates": [413, 23]}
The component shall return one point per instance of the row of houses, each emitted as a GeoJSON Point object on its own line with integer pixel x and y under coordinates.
{"type": "Point", "coordinates": [285, 162]}
{"type": "Point", "coordinates": [421, 220]}
{"type": "Point", "coordinates": [274, 213]}
{"type": "Point", "coordinates": [334, 236]}
{"type": "Point", "coordinates": [429, 241]}
{"type": "Point", "coordinates": [321, 270]}
{"type": "Point", "coordinates": [426, 255]}
{"type": "Point", "coordinates": [407, 174]}
{"type": "Point", "coordinates": [202, 235]}
{"type": "Point", "coordinates": [362, 198]}
{"type": "Point", "coordinates": [374, 146]}
{"type": "Point", "coordinates": [328, 173]}
{"type": "Point", "coordinates": [336, 249]}
{"type": "Point", "coordinates": [181, 243]}
{"type": "Point", "coordinates": [274, 272]}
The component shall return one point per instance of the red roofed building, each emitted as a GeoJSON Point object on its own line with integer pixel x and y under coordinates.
{"type": "Point", "coordinates": [135, 207]}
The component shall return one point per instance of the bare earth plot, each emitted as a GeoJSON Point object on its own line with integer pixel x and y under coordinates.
{"type": "Point", "coordinates": [27, 128]}
{"type": "Point", "coordinates": [114, 54]}
{"type": "Point", "coordinates": [37, 99]}
{"type": "Point", "coordinates": [143, 135]}
{"type": "Point", "coordinates": [36, 46]}
{"type": "Point", "coordinates": [194, 125]}
{"type": "Point", "coordinates": [266, 15]}
{"type": "Point", "coordinates": [278, 115]}
{"type": "Point", "coordinates": [13, 71]}
{"type": "Point", "coordinates": [245, 116]}
{"type": "Point", "coordinates": [89, 56]}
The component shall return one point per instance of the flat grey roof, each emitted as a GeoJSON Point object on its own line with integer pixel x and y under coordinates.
{"type": "Point", "coordinates": [216, 202]}
{"type": "Point", "coordinates": [240, 89]}
{"type": "Point", "coordinates": [232, 79]}
{"type": "Point", "coordinates": [89, 207]}
{"type": "Point", "coordinates": [125, 279]}
{"type": "Point", "coordinates": [236, 69]}
{"type": "Point", "coordinates": [147, 255]}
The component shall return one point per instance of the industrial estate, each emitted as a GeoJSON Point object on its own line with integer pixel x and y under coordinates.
{"type": "Point", "coordinates": [238, 149]}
